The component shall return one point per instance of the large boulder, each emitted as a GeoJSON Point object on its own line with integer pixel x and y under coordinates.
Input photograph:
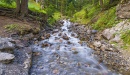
{"type": "Point", "coordinates": [123, 11]}
{"type": "Point", "coordinates": [6, 45]}
{"type": "Point", "coordinates": [6, 57]}
{"type": "Point", "coordinates": [108, 33]}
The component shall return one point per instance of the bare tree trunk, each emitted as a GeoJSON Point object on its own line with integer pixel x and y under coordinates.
{"type": "Point", "coordinates": [18, 5]}
{"type": "Point", "coordinates": [24, 8]}
{"type": "Point", "coordinates": [101, 3]}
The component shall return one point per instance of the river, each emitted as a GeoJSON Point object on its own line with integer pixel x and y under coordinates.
{"type": "Point", "coordinates": [63, 54]}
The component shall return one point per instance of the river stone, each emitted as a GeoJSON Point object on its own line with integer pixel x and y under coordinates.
{"type": "Point", "coordinates": [55, 30]}
{"type": "Point", "coordinates": [48, 36]}
{"type": "Point", "coordinates": [103, 47]}
{"type": "Point", "coordinates": [116, 39]}
{"type": "Point", "coordinates": [123, 11]}
{"type": "Point", "coordinates": [65, 37]}
{"type": "Point", "coordinates": [108, 34]}
{"type": "Point", "coordinates": [6, 45]}
{"type": "Point", "coordinates": [94, 31]}
{"type": "Point", "coordinates": [97, 44]}
{"type": "Point", "coordinates": [6, 57]}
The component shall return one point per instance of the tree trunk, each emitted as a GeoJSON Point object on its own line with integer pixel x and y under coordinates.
{"type": "Point", "coordinates": [101, 3]}
{"type": "Point", "coordinates": [111, 1]}
{"type": "Point", "coordinates": [24, 8]}
{"type": "Point", "coordinates": [18, 5]}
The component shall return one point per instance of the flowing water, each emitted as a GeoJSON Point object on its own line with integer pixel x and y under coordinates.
{"type": "Point", "coordinates": [63, 54]}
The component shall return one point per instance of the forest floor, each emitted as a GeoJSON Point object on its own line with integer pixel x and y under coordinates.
{"type": "Point", "coordinates": [10, 26]}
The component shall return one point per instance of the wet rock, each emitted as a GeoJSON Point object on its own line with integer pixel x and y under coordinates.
{"type": "Point", "coordinates": [6, 45]}
{"type": "Point", "coordinates": [6, 57]}
{"type": "Point", "coordinates": [74, 35]}
{"type": "Point", "coordinates": [42, 37]}
{"type": "Point", "coordinates": [68, 42]}
{"type": "Point", "coordinates": [73, 48]}
{"type": "Point", "coordinates": [36, 53]}
{"type": "Point", "coordinates": [88, 32]}
{"type": "Point", "coordinates": [45, 45]}
{"type": "Point", "coordinates": [19, 44]}
{"type": "Point", "coordinates": [28, 36]}
{"type": "Point", "coordinates": [97, 44]}
{"type": "Point", "coordinates": [61, 21]}
{"type": "Point", "coordinates": [55, 71]}
{"type": "Point", "coordinates": [94, 31]}
{"type": "Point", "coordinates": [65, 37]}
{"type": "Point", "coordinates": [59, 34]}
{"type": "Point", "coordinates": [55, 30]}
{"type": "Point", "coordinates": [75, 52]}
{"type": "Point", "coordinates": [91, 46]}
{"type": "Point", "coordinates": [48, 36]}
{"type": "Point", "coordinates": [27, 63]}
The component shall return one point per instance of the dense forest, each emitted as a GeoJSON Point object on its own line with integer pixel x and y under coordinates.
{"type": "Point", "coordinates": [64, 37]}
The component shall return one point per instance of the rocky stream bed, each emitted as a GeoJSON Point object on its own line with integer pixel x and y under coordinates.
{"type": "Point", "coordinates": [71, 49]}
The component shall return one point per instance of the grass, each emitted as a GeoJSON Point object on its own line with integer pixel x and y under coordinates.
{"type": "Point", "coordinates": [106, 19]}
{"type": "Point", "coordinates": [11, 27]}
{"type": "Point", "coordinates": [126, 37]}
{"type": "Point", "coordinates": [21, 29]}
{"type": "Point", "coordinates": [57, 15]}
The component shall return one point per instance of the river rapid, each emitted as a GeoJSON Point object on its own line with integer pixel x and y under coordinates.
{"type": "Point", "coordinates": [64, 54]}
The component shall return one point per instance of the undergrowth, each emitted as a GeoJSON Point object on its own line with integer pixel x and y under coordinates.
{"type": "Point", "coordinates": [126, 37]}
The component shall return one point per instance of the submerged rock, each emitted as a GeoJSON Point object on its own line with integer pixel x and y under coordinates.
{"type": "Point", "coordinates": [65, 37]}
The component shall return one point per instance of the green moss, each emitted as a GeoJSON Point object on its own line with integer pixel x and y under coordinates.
{"type": "Point", "coordinates": [11, 27]}
{"type": "Point", "coordinates": [21, 29]}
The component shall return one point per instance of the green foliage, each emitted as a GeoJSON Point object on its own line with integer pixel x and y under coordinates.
{"type": "Point", "coordinates": [106, 19]}
{"type": "Point", "coordinates": [5, 4]}
{"type": "Point", "coordinates": [33, 6]}
{"type": "Point", "coordinates": [93, 11]}
{"type": "Point", "coordinates": [57, 15]}
{"type": "Point", "coordinates": [126, 37]}
{"type": "Point", "coordinates": [8, 1]}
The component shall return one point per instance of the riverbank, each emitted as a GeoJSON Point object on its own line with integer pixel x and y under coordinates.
{"type": "Point", "coordinates": [104, 51]}
{"type": "Point", "coordinates": [113, 56]}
